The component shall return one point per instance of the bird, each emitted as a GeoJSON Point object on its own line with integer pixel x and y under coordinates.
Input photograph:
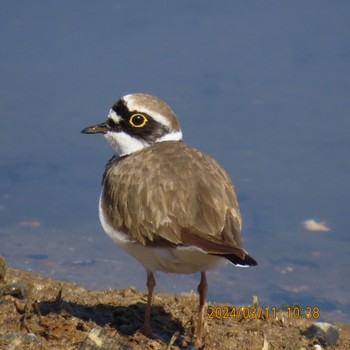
{"type": "Point", "coordinates": [170, 206]}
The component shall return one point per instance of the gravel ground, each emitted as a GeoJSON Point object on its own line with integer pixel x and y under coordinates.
{"type": "Point", "coordinates": [41, 313]}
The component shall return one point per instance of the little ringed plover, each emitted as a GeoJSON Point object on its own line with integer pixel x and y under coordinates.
{"type": "Point", "coordinates": [170, 206]}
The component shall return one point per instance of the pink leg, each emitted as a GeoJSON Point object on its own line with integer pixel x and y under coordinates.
{"type": "Point", "coordinates": [202, 290]}
{"type": "Point", "coordinates": [151, 282]}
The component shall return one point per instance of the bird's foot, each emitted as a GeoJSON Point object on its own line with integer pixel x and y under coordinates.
{"type": "Point", "coordinates": [146, 331]}
{"type": "Point", "coordinates": [198, 344]}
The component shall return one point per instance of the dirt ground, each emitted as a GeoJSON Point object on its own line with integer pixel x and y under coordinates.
{"type": "Point", "coordinates": [41, 313]}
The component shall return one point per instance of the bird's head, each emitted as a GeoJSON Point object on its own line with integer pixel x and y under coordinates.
{"type": "Point", "coordinates": [137, 121]}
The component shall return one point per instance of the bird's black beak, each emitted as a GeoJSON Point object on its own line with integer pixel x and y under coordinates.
{"type": "Point", "coordinates": [96, 129]}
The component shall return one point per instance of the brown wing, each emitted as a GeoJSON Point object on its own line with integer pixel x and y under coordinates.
{"type": "Point", "coordinates": [185, 196]}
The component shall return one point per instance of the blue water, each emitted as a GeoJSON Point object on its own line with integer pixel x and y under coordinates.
{"type": "Point", "coordinates": [263, 87]}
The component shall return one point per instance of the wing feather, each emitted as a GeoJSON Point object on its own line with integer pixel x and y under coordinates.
{"type": "Point", "coordinates": [177, 207]}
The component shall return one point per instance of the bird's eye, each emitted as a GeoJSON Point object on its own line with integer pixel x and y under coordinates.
{"type": "Point", "coordinates": [138, 120]}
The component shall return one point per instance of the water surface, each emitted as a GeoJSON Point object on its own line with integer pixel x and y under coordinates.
{"type": "Point", "coordinates": [261, 87]}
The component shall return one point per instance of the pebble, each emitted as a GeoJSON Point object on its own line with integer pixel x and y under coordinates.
{"type": "Point", "coordinates": [326, 333]}
{"type": "Point", "coordinates": [20, 341]}
{"type": "Point", "coordinates": [99, 340]}
{"type": "Point", "coordinates": [16, 290]}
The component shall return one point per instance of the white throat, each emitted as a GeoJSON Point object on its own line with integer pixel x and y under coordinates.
{"type": "Point", "coordinates": [124, 144]}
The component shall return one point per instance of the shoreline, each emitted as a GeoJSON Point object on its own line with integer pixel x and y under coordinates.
{"type": "Point", "coordinates": [43, 313]}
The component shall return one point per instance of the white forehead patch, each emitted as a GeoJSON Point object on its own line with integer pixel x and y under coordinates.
{"type": "Point", "coordinates": [134, 105]}
{"type": "Point", "coordinates": [114, 116]}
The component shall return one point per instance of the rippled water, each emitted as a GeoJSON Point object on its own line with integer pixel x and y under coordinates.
{"type": "Point", "coordinates": [261, 87]}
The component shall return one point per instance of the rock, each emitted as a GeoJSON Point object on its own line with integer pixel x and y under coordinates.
{"type": "Point", "coordinates": [325, 333]}
{"type": "Point", "coordinates": [99, 340]}
{"type": "Point", "coordinates": [2, 268]}
{"type": "Point", "coordinates": [18, 340]}
{"type": "Point", "coordinates": [16, 290]}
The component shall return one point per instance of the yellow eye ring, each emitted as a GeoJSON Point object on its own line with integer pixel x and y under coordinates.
{"type": "Point", "coordinates": [138, 120]}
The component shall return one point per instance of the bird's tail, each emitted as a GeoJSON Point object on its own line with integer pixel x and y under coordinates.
{"type": "Point", "coordinates": [247, 261]}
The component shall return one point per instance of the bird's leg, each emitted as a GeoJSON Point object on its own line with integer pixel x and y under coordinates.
{"type": "Point", "coordinates": [202, 290]}
{"type": "Point", "coordinates": [151, 282]}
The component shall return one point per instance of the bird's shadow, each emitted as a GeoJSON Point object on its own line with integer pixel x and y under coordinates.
{"type": "Point", "coordinates": [126, 320]}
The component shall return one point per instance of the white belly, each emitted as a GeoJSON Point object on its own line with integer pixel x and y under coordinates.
{"type": "Point", "coordinates": [172, 260]}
